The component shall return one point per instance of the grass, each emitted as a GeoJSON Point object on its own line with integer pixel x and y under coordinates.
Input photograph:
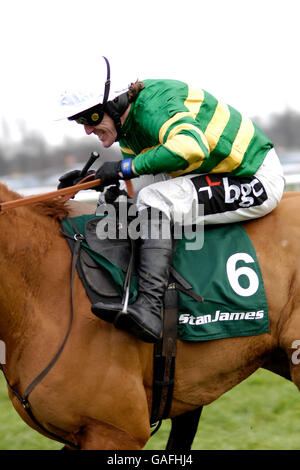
{"type": "Point", "coordinates": [262, 413]}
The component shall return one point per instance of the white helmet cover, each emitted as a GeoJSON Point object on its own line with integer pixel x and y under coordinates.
{"type": "Point", "coordinates": [74, 102]}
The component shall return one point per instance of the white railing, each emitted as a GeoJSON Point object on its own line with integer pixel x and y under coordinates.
{"type": "Point", "coordinates": [292, 184]}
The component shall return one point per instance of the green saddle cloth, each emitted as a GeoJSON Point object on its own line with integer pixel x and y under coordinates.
{"type": "Point", "coordinates": [225, 272]}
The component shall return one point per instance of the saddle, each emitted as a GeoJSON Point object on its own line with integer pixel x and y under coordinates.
{"type": "Point", "coordinates": [118, 256]}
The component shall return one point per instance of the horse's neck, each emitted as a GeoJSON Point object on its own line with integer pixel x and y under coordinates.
{"type": "Point", "coordinates": [26, 243]}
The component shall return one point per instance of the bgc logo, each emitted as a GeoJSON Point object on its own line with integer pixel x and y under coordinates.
{"type": "Point", "coordinates": [245, 193]}
{"type": "Point", "coordinates": [221, 193]}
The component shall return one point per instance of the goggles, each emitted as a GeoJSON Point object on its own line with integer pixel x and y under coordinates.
{"type": "Point", "coordinates": [90, 117]}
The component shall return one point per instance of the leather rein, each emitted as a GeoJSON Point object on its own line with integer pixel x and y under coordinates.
{"type": "Point", "coordinates": [63, 194]}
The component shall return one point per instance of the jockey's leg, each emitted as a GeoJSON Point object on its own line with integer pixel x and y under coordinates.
{"type": "Point", "coordinates": [229, 199]}
{"type": "Point", "coordinates": [144, 317]}
{"type": "Point", "coordinates": [223, 198]}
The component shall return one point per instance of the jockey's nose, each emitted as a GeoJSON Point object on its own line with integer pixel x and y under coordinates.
{"type": "Point", "coordinates": [88, 129]}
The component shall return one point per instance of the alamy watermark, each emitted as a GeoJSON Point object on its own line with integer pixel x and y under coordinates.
{"type": "Point", "coordinates": [296, 354]}
{"type": "Point", "coordinates": [2, 352]}
{"type": "Point", "coordinates": [123, 221]}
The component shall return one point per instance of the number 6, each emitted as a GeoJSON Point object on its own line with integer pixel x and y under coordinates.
{"type": "Point", "coordinates": [233, 275]}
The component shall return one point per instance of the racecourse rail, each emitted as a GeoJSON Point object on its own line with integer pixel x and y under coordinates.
{"type": "Point", "coordinates": [292, 184]}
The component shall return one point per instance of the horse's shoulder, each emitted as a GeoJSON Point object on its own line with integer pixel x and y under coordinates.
{"type": "Point", "coordinates": [289, 204]}
{"type": "Point", "coordinates": [290, 194]}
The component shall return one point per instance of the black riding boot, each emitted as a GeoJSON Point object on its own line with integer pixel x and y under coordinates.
{"type": "Point", "coordinates": [144, 317]}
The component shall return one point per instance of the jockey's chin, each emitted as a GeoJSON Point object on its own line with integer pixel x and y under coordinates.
{"type": "Point", "coordinates": [107, 140]}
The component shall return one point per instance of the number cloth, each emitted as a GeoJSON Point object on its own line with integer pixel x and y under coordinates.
{"type": "Point", "coordinates": [226, 273]}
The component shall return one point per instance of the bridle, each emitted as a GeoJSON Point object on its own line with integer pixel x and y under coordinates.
{"type": "Point", "coordinates": [61, 194]}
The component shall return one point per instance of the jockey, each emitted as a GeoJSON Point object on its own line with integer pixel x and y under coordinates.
{"type": "Point", "coordinates": [213, 156]}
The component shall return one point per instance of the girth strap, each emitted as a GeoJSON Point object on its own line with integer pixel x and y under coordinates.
{"type": "Point", "coordinates": [164, 359]}
{"type": "Point", "coordinates": [184, 286]}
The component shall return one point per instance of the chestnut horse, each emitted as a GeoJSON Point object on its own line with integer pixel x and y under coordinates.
{"type": "Point", "coordinates": [98, 394]}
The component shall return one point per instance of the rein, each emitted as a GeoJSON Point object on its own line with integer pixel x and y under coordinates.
{"type": "Point", "coordinates": [64, 194]}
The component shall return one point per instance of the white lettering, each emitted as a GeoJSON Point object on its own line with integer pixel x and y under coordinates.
{"type": "Point", "coordinates": [234, 193]}
{"type": "Point", "coordinates": [201, 320]}
{"type": "Point", "coordinates": [246, 190]}
{"type": "Point", "coordinates": [234, 274]}
{"type": "Point", "coordinates": [224, 316]}
{"type": "Point", "coordinates": [217, 316]}
{"type": "Point", "coordinates": [237, 316]}
{"type": "Point", "coordinates": [250, 316]}
{"type": "Point", "coordinates": [118, 460]}
{"type": "Point", "coordinates": [256, 193]}
{"type": "Point", "coordinates": [181, 460]}
{"type": "Point", "coordinates": [186, 318]}
{"type": "Point", "coordinates": [229, 198]}
{"type": "Point", "coordinates": [259, 314]}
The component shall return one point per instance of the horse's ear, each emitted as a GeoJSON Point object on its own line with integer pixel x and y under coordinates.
{"type": "Point", "coordinates": [58, 210]}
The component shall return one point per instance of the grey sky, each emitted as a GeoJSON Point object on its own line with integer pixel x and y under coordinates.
{"type": "Point", "coordinates": [244, 52]}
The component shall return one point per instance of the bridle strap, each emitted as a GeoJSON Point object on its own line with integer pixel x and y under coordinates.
{"type": "Point", "coordinates": [59, 193]}
{"type": "Point", "coordinates": [64, 194]}
{"type": "Point", "coordinates": [24, 400]}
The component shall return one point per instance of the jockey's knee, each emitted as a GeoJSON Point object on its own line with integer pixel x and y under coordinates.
{"type": "Point", "coordinates": [152, 197]}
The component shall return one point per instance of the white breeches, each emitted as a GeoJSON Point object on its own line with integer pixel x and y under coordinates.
{"type": "Point", "coordinates": [217, 198]}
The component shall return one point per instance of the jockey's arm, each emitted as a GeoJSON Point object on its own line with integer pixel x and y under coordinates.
{"type": "Point", "coordinates": [181, 150]}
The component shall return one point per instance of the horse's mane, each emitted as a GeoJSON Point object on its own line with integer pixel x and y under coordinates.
{"type": "Point", "coordinates": [53, 208]}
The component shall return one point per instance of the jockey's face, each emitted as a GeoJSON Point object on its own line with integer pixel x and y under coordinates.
{"type": "Point", "coordinates": [105, 131]}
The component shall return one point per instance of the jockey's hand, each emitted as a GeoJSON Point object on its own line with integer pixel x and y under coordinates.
{"type": "Point", "coordinates": [111, 172]}
{"type": "Point", "coordinates": [71, 178]}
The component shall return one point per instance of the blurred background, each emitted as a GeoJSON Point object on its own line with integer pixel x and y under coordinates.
{"type": "Point", "coordinates": [245, 53]}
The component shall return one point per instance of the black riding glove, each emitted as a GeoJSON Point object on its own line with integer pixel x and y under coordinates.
{"type": "Point", "coordinates": [71, 178]}
{"type": "Point", "coordinates": [109, 173]}
{"type": "Point", "coordinates": [112, 172]}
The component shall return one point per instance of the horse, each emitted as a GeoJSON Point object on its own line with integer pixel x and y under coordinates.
{"type": "Point", "coordinates": [98, 394]}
